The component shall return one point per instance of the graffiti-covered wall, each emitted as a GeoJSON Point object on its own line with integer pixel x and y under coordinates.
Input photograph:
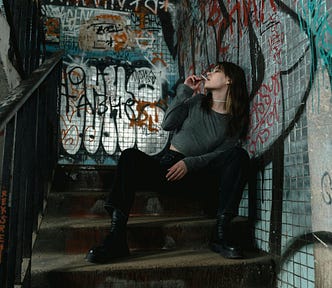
{"type": "Point", "coordinates": [285, 48]}
{"type": "Point", "coordinates": [9, 78]}
{"type": "Point", "coordinates": [119, 70]}
{"type": "Point", "coordinates": [123, 59]}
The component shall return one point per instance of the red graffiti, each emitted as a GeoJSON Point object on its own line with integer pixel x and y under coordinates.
{"type": "Point", "coordinates": [245, 10]}
{"type": "Point", "coordinates": [264, 112]}
{"type": "Point", "coordinates": [241, 11]}
{"type": "Point", "coordinates": [3, 221]}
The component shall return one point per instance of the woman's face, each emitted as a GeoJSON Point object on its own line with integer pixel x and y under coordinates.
{"type": "Point", "coordinates": [216, 79]}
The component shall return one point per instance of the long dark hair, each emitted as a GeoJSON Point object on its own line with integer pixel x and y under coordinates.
{"type": "Point", "coordinates": [237, 101]}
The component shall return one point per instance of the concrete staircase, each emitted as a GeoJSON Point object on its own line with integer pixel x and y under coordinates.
{"type": "Point", "coordinates": [168, 239]}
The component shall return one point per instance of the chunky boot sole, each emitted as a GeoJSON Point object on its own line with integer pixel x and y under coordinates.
{"type": "Point", "coordinates": [100, 255]}
{"type": "Point", "coordinates": [225, 251]}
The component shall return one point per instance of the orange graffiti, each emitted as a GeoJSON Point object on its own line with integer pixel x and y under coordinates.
{"type": "Point", "coordinates": [143, 118]}
{"type": "Point", "coordinates": [108, 17]}
{"type": "Point", "coordinates": [120, 40]}
{"type": "Point", "coordinates": [52, 27]}
{"type": "Point", "coordinates": [141, 16]}
{"type": "Point", "coordinates": [158, 58]}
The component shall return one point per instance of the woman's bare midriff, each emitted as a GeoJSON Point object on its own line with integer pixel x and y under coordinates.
{"type": "Point", "coordinates": [173, 148]}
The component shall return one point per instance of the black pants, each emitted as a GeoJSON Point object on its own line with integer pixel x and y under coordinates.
{"type": "Point", "coordinates": [219, 186]}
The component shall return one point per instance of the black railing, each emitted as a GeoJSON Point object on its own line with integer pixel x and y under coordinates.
{"type": "Point", "coordinates": [26, 34]}
{"type": "Point", "coordinates": [28, 155]}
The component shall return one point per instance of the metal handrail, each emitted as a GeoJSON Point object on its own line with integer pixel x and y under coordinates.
{"type": "Point", "coordinates": [12, 102]}
{"type": "Point", "coordinates": [28, 156]}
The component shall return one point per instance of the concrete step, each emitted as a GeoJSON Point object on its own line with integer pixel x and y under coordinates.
{"type": "Point", "coordinates": [168, 239]}
{"type": "Point", "coordinates": [80, 178]}
{"type": "Point", "coordinates": [91, 203]}
{"type": "Point", "coordinates": [184, 268]}
{"type": "Point", "coordinates": [77, 235]}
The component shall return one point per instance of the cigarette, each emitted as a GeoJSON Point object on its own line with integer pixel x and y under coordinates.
{"type": "Point", "coordinates": [204, 77]}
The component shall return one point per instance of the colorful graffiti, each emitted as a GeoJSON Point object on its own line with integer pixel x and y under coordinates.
{"type": "Point", "coordinates": [285, 49]}
{"type": "Point", "coordinates": [99, 109]}
{"type": "Point", "coordinates": [152, 5]}
{"type": "Point", "coordinates": [116, 76]}
{"type": "Point", "coordinates": [129, 32]}
{"type": "Point", "coordinates": [105, 32]}
{"type": "Point", "coordinates": [237, 27]}
{"type": "Point", "coordinates": [314, 21]}
{"type": "Point", "coordinates": [123, 60]}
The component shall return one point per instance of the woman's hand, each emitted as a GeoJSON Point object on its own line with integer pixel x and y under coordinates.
{"type": "Point", "coordinates": [193, 82]}
{"type": "Point", "coordinates": [177, 171]}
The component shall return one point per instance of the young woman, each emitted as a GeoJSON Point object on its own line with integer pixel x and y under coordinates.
{"type": "Point", "coordinates": [205, 152]}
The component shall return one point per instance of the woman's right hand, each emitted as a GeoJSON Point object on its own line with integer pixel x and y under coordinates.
{"type": "Point", "coordinates": [177, 171]}
{"type": "Point", "coordinates": [193, 82]}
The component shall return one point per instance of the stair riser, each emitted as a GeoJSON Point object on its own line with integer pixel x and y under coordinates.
{"type": "Point", "coordinates": [80, 205]}
{"type": "Point", "coordinates": [79, 240]}
{"type": "Point", "coordinates": [146, 203]}
{"type": "Point", "coordinates": [76, 178]}
{"type": "Point", "coordinates": [257, 275]}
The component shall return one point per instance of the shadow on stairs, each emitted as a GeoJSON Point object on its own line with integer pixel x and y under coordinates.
{"type": "Point", "coordinates": [168, 239]}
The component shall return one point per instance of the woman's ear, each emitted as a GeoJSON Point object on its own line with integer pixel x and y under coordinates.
{"type": "Point", "coordinates": [229, 80]}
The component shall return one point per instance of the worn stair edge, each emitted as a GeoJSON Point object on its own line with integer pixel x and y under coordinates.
{"type": "Point", "coordinates": [180, 268]}
{"type": "Point", "coordinates": [87, 203]}
{"type": "Point", "coordinates": [78, 235]}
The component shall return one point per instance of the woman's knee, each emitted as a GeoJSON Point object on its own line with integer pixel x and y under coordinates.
{"type": "Point", "coordinates": [129, 153]}
{"type": "Point", "coordinates": [243, 155]}
{"type": "Point", "coordinates": [237, 155]}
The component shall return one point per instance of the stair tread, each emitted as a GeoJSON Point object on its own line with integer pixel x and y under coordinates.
{"type": "Point", "coordinates": [186, 258]}
{"type": "Point", "coordinates": [93, 221]}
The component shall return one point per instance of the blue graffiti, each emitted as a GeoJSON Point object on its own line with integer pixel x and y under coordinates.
{"type": "Point", "coordinates": [314, 22]}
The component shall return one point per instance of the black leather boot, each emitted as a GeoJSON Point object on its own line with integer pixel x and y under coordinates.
{"type": "Point", "coordinates": [115, 243]}
{"type": "Point", "coordinates": [220, 244]}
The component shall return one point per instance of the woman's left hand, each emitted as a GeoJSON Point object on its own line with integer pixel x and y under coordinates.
{"type": "Point", "coordinates": [193, 82]}
{"type": "Point", "coordinates": [177, 171]}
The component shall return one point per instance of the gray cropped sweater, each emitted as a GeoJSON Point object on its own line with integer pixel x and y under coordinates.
{"type": "Point", "coordinates": [199, 135]}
